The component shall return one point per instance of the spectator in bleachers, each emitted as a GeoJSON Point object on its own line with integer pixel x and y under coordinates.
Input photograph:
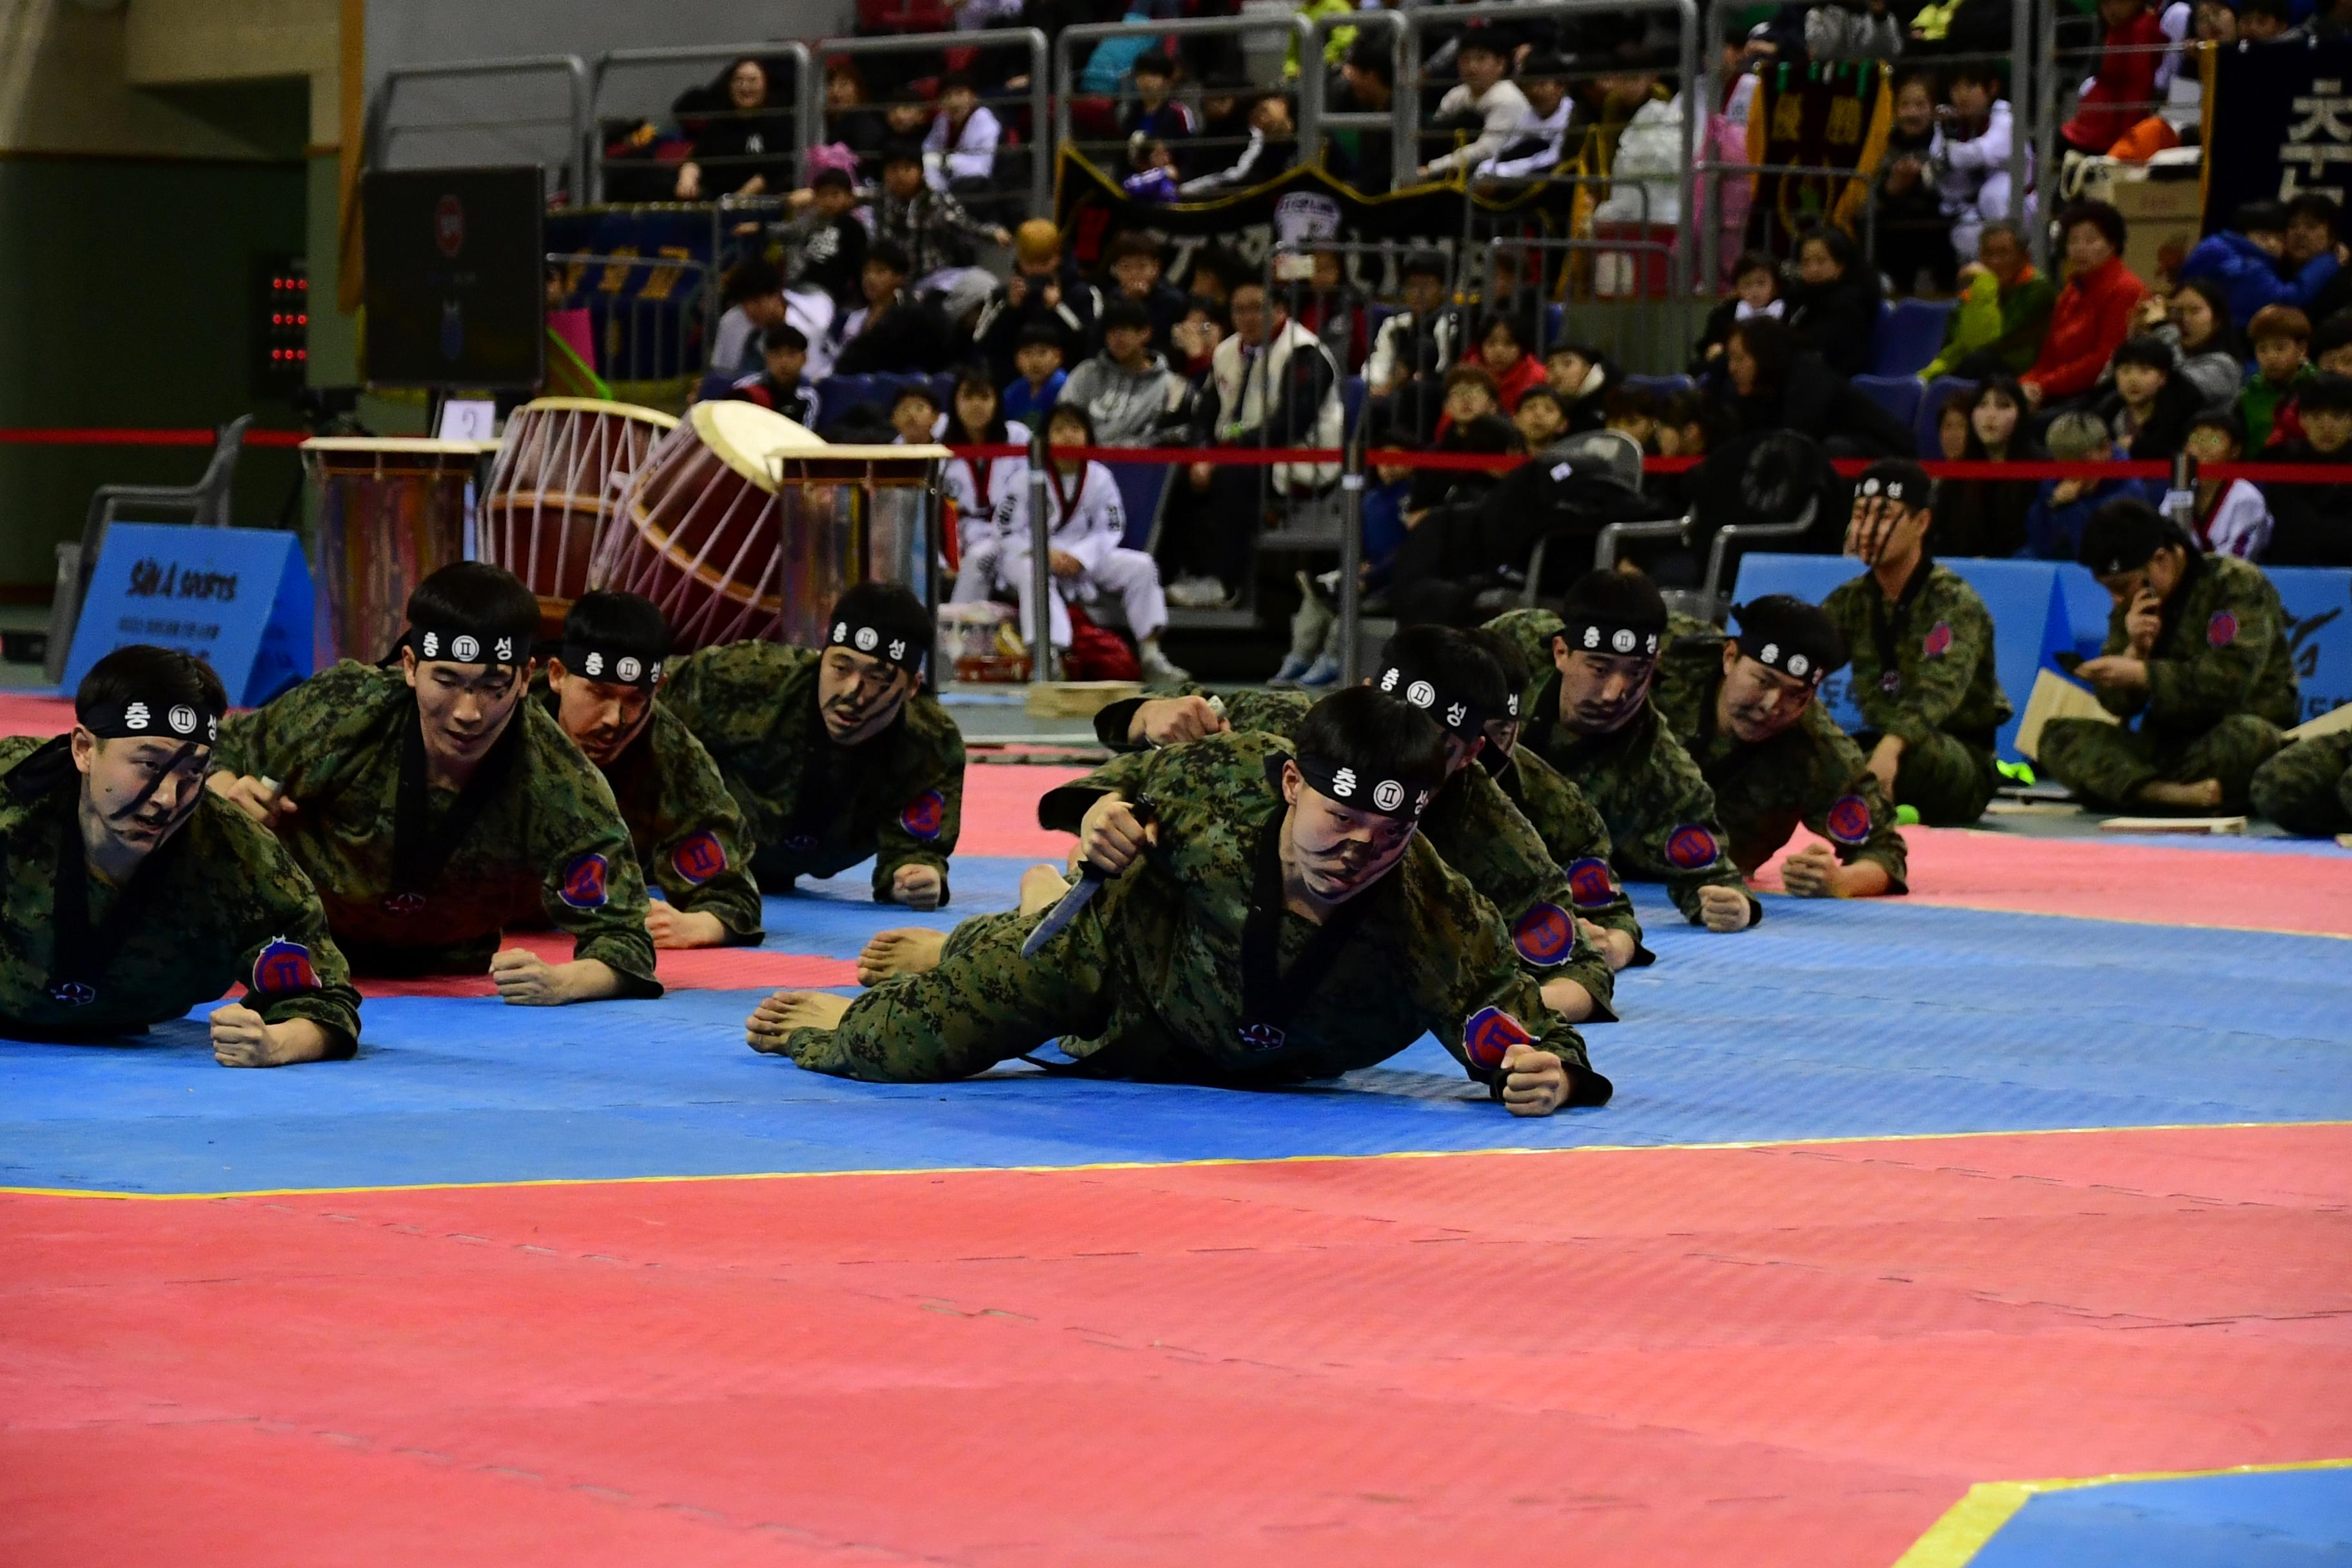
{"type": "Point", "coordinates": [1689, 424]}
{"type": "Point", "coordinates": [1583, 377]}
{"type": "Point", "coordinates": [2227, 517]}
{"type": "Point", "coordinates": [1334, 310]}
{"type": "Point", "coordinates": [1987, 517]}
{"type": "Point", "coordinates": [1213, 272]}
{"type": "Point", "coordinates": [1271, 385]}
{"type": "Point", "coordinates": [1485, 100]}
{"type": "Point", "coordinates": [2250, 261]}
{"type": "Point", "coordinates": [1755, 291]}
{"type": "Point", "coordinates": [848, 120]}
{"type": "Point", "coordinates": [2331, 345]}
{"type": "Point", "coordinates": [1635, 412]}
{"type": "Point", "coordinates": [745, 148]}
{"type": "Point", "coordinates": [1852, 30]}
{"type": "Point", "coordinates": [1271, 147]}
{"type": "Point", "coordinates": [754, 295]}
{"type": "Point", "coordinates": [1774, 381]}
{"type": "Point", "coordinates": [1135, 273]}
{"type": "Point", "coordinates": [824, 247]}
{"type": "Point", "coordinates": [914, 415]}
{"type": "Point", "coordinates": [1423, 339]}
{"type": "Point", "coordinates": [2267, 21]}
{"type": "Point", "coordinates": [1155, 180]}
{"type": "Point", "coordinates": [1474, 422]}
{"type": "Point", "coordinates": [1952, 428]}
{"type": "Point", "coordinates": [1913, 233]}
{"type": "Point", "coordinates": [960, 148]}
{"type": "Point", "coordinates": [1537, 142]}
{"type": "Point", "coordinates": [2282, 338]}
{"type": "Point", "coordinates": [2093, 312]}
{"type": "Point", "coordinates": [972, 483]}
{"type": "Point", "coordinates": [1226, 105]}
{"type": "Point", "coordinates": [2053, 525]}
{"type": "Point", "coordinates": [2195, 320]}
{"type": "Point", "coordinates": [1205, 324]}
{"type": "Point", "coordinates": [780, 385]}
{"type": "Point", "coordinates": [932, 231]}
{"type": "Point", "coordinates": [2311, 523]}
{"type": "Point", "coordinates": [1365, 158]}
{"type": "Point", "coordinates": [2123, 86]}
{"type": "Point", "coordinates": [1042, 291]}
{"type": "Point", "coordinates": [1833, 304]}
{"type": "Point", "coordinates": [2314, 224]}
{"type": "Point", "coordinates": [1503, 351]}
{"type": "Point", "coordinates": [2002, 314]}
{"type": "Point", "coordinates": [2151, 406]}
{"type": "Point", "coordinates": [894, 329]}
{"type": "Point", "coordinates": [1154, 115]}
{"type": "Point", "coordinates": [1128, 389]}
{"type": "Point", "coordinates": [1971, 156]}
{"type": "Point", "coordinates": [1038, 357]}
{"type": "Point", "coordinates": [1539, 418]}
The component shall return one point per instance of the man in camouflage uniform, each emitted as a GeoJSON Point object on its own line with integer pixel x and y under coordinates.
{"type": "Point", "coordinates": [688, 831]}
{"type": "Point", "coordinates": [1921, 640]}
{"type": "Point", "coordinates": [129, 894]}
{"type": "Point", "coordinates": [1745, 706]}
{"type": "Point", "coordinates": [433, 806]}
{"type": "Point", "coordinates": [1590, 716]}
{"type": "Point", "coordinates": [834, 755]}
{"type": "Point", "coordinates": [1277, 918]}
{"type": "Point", "coordinates": [2307, 787]}
{"type": "Point", "coordinates": [2196, 651]}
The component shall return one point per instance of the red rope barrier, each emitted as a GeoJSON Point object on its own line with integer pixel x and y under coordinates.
{"type": "Point", "coordinates": [93, 438]}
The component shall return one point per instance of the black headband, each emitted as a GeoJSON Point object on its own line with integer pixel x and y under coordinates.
{"type": "Point", "coordinates": [1402, 799]}
{"type": "Point", "coordinates": [1601, 634]}
{"type": "Point", "coordinates": [1420, 691]}
{"type": "Point", "coordinates": [893, 645]}
{"type": "Point", "coordinates": [457, 645]}
{"type": "Point", "coordinates": [1906, 484]}
{"type": "Point", "coordinates": [1787, 660]}
{"type": "Point", "coordinates": [198, 724]}
{"type": "Point", "coordinates": [610, 666]}
{"type": "Point", "coordinates": [1796, 640]}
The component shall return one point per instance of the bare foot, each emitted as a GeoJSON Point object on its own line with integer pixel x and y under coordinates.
{"type": "Point", "coordinates": [2204, 794]}
{"type": "Point", "coordinates": [908, 949]}
{"type": "Point", "coordinates": [772, 1022]}
{"type": "Point", "coordinates": [1041, 888]}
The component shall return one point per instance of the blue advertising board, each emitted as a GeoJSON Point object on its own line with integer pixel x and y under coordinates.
{"type": "Point", "coordinates": [238, 599]}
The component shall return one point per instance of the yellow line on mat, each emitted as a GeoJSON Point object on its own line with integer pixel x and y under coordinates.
{"type": "Point", "coordinates": [1971, 1523]}
{"type": "Point", "coordinates": [1162, 1164]}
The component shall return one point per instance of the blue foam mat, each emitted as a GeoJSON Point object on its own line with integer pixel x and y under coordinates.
{"type": "Point", "coordinates": [2284, 1518]}
{"type": "Point", "coordinates": [1830, 1020]}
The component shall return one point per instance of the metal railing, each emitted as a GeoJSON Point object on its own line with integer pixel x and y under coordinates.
{"type": "Point", "coordinates": [643, 334]}
{"type": "Point", "coordinates": [808, 92]}
{"type": "Point", "coordinates": [1310, 76]}
{"type": "Point", "coordinates": [1400, 120]}
{"type": "Point", "coordinates": [578, 158]}
{"type": "Point", "coordinates": [1041, 85]}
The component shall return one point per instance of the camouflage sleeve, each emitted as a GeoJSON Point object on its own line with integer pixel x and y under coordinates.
{"type": "Point", "coordinates": [303, 736]}
{"type": "Point", "coordinates": [1681, 838]}
{"type": "Point", "coordinates": [1577, 838]}
{"type": "Point", "coordinates": [2200, 691]}
{"type": "Point", "coordinates": [1929, 702]}
{"type": "Point", "coordinates": [290, 964]}
{"type": "Point", "coordinates": [1113, 721]}
{"type": "Point", "coordinates": [1272, 712]}
{"type": "Point", "coordinates": [1530, 631]}
{"type": "Point", "coordinates": [592, 887]}
{"type": "Point", "coordinates": [702, 861]}
{"type": "Point", "coordinates": [923, 830]}
{"type": "Point", "coordinates": [1060, 809]}
{"type": "Point", "coordinates": [684, 689]}
{"type": "Point", "coordinates": [2123, 703]}
{"type": "Point", "coordinates": [1475, 998]}
{"type": "Point", "coordinates": [1506, 860]}
{"type": "Point", "coordinates": [1848, 807]}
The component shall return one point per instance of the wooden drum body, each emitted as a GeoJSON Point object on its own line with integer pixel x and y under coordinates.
{"type": "Point", "coordinates": [389, 512]}
{"type": "Point", "coordinates": [561, 470]}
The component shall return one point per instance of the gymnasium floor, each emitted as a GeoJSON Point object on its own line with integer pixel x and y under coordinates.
{"type": "Point", "coordinates": [1908, 1217]}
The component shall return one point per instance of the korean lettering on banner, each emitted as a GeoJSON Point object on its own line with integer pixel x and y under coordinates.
{"type": "Point", "coordinates": [2319, 135]}
{"type": "Point", "coordinates": [2280, 124]}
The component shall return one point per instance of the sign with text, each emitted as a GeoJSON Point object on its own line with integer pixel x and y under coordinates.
{"type": "Point", "coordinates": [2282, 124]}
{"type": "Point", "coordinates": [238, 599]}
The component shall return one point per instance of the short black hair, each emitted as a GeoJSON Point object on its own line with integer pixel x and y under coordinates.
{"type": "Point", "coordinates": [1425, 264]}
{"type": "Point", "coordinates": [1221, 264]}
{"type": "Point", "coordinates": [2332, 334]}
{"type": "Point", "coordinates": [1511, 322]}
{"type": "Point", "coordinates": [753, 279]}
{"type": "Point", "coordinates": [888, 253]}
{"type": "Point", "coordinates": [918, 390]}
{"type": "Point", "coordinates": [1545, 63]}
{"type": "Point", "coordinates": [901, 149]}
{"type": "Point", "coordinates": [141, 672]}
{"type": "Point", "coordinates": [1755, 261]}
{"type": "Point", "coordinates": [1039, 334]}
{"type": "Point", "coordinates": [1546, 395]}
{"type": "Point", "coordinates": [1618, 596]}
{"type": "Point", "coordinates": [2123, 534]}
{"type": "Point", "coordinates": [1453, 662]}
{"type": "Point", "coordinates": [1123, 312]}
{"type": "Point", "coordinates": [2101, 215]}
{"type": "Point", "coordinates": [783, 335]}
{"type": "Point", "coordinates": [889, 607]}
{"type": "Point", "coordinates": [1075, 412]}
{"type": "Point", "coordinates": [1126, 243]}
{"type": "Point", "coordinates": [2280, 11]}
{"type": "Point", "coordinates": [2227, 419]}
{"type": "Point", "coordinates": [1373, 59]}
{"type": "Point", "coordinates": [1476, 36]}
{"type": "Point", "coordinates": [2313, 204]}
{"type": "Point", "coordinates": [1378, 735]}
{"type": "Point", "coordinates": [2147, 350]}
{"type": "Point", "coordinates": [618, 623]}
{"type": "Point", "coordinates": [480, 598]}
{"type": "Point", "coordinates": [1153, 62]}
{"type": "Point", "coordinates": [954, 80]}
{"type": "Point", "coordinates": [1626, 403]}
{"type": "Point", "coordinates": [2265, 216]}
{"type": "Point", "coordinates": [832, 176]}
{"type": "Point", "coordinates": [2325, 393]}
{"type": "Point", "coordinates": [1983, 72]}
{"type": "Point", "coordinates": [1516, 670]}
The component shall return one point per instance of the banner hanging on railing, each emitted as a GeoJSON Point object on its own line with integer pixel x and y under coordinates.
{"type": "Point", "coordinates": [2282, 125]}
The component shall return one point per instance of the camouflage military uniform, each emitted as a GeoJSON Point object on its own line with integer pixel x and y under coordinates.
{"type": "Point", "coordinates": [1575, 837]}
{"type": "Point", "coordinates": [2307, 787]}
{"type": "Point", "coordinates": [817, 808]}
{"type": "Point", "coordinates": [218, 902]}
{"type": "Point", "coordinates": [1660, 813]}
{"type": "Point", "coordinates": [548, 846]}
{"type": "Point", "coordinates": [2221, 686]}
{"type": "Point", "coordinates": [1477, 831]}
{"type": "Point", "coordinates": [686, 830]}
{"type": "Point", "coordinates": [1149, 981]}
{"type": "Point", "coordinates": [1923, 672]}
{"type": "Point", "coordinates": [1810, 772]}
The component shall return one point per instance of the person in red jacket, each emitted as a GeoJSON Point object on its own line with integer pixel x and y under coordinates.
{"type": "Point", "coordinates": [2093, 313]}
{"type": "Point", "coordinates": [2123, 91]}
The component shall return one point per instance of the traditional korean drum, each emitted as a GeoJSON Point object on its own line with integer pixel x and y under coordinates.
{"type": "Point", "coordinates": [742, 524]}
{"type": "Point", "coordinates": [388, 512]}
{"type": "Point", "coordinates": [562, 465]}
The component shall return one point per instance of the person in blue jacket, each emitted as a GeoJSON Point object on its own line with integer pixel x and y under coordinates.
{"type": "Point", "coordinates": [2251, 262]}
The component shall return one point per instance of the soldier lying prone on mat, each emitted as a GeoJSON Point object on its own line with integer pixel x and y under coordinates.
{"type": "Point", "coordinates": [1279, 918]}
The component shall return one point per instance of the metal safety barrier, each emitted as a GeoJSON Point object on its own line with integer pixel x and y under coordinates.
{"type": "Point", "coordinates": [578, 153]}
{"type": "Point", "coordinates": [1302, 35]}
{"type": "Point", "coordinates": [1040, 110]}
{"type": "Point", "coordinates": [808, 92]}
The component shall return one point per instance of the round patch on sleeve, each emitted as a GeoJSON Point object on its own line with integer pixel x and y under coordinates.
{"type": "Point", "coordinates": [1544, 934]}
{"type": "Point", "coordinates": [585, 882]}
{"type": "Point", "coordinates": [698, 857]}
{"type": "Point", "coordinates": [283, 968]}
{"type": "Point", "coordinates": [2223, 629]}
{"type": "Point", "coordinates": [1590, 882]}
{"type": "Point", "coordinates": [925, 815]}
{"type": "Point", "coordinates": [1850, 819]}
{"type": "Point", "coordinates": [1691, 848]}
{"type": "Point", "coordinates": [1489, 1033]}
{"type": "Point", "coordinates": [1939, 640]}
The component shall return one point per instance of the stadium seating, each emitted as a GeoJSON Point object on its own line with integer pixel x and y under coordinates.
{"type": "Point", "coordinates": [1898, 394]}
{"type": "Point", "coordinates": [1938, 392]}
{"type": "Point", "coordinates": [1910, 334]}
{"type": "Point", "coordinates": [1660, 385]}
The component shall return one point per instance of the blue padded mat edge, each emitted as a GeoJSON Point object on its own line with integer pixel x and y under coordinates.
{"type": "Point", "coordinates": [2284, 1518]}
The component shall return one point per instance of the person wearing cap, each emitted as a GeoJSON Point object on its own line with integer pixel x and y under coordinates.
{"type": "Point", "coordinates": [1922, 644]}
{"type": "Point", "coordinates": [1745, 705]}
{"type": "Point", "coordinates": [833, 754]}
{"type": "Point", "coordinates": [687, 831]}
{"type": "Point", "coordinates": [2195, 663]}
{"type": "Point", "coordinates": [2307, 788]}
{"type": "Point", "coordinates": [130, 893]}
{"type": "Point", "coordinates": [435, 808]}
{"type": "Point", "coordinates": [1589, 714]}
{"type": "Point", "coordinates": [1273, 916]}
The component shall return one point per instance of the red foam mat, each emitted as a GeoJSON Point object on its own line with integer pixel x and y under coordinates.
{"type": "Point", "coordinates": [44, 716]}
{"type": "Point", "coordinates": [1792, 1355]}
{"type": "Point", "coordinates": [690, 968]}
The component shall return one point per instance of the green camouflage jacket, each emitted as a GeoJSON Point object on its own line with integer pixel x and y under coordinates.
{"type": "Point", "coordinates": [1576, 839]}
{"type": "Point", "coordinates": [1660, 812]}
{"type": "Point", "coordinates": [1922, 666]}
{"type": "Point", "coordinates": [1477, 831]}
{"type": "Point", "coordinates": [550, 845]}
{"type": "Point", "coordinates": [1810, 772]}
{"type": "Point", "coordinates": [224, 905]}
{"type": "Point", "coordinates": [2223, 650]}
{"type": "Point", "coordinates": [1431, 955]}
{"type": "Point", "coordinates": [686, 830]}
{"type": "Point", "coordinates": [817, 808]}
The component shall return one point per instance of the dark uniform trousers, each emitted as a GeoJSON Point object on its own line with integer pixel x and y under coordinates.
{"type": "Point", "coordinates": [2106, 764]}
{"type": "Point", "coordinates": [2307, 788]}
{"type": "Point", "coordinates": [1947, 781]}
